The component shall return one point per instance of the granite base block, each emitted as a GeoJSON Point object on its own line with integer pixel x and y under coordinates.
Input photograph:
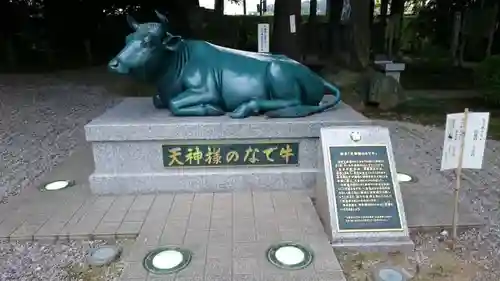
{"type": "Point", "coordinates": [406, 247]}
{"type": "Point", "coordinates": [215, 181]}
{"type": "Point", "coordinates": [127, 149]}
{"type": "Point", "coordinates": [403, 245]}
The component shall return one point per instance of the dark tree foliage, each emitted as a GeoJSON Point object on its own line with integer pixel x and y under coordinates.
{"type": "Point", "coordinates": [435, 20]}
{"type": "Point", "coordinates": [38, 32]}
{"type": "Point", "coordinates": [81, 32]}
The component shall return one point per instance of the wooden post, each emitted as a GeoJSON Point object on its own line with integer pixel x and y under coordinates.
{"type": "Point", "coordinates": [458, 172]}
{"type": "Point", "coordinates": [493, 29]}
{"type": "Point", "coordinates": [457, 24]}
{"type": "Point", "coordinates": [88, 51]}
{"type": "Point", "coordinates": [219, 7]}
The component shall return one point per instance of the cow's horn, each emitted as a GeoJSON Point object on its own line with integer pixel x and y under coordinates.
{"type": "Point", "coordinates": [163, 19]}
{"type": "Point", "coordinates": [132, 22]}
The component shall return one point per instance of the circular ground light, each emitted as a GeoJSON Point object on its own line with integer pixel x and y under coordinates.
{"type": "Point", "coordinates": [167, 260]}
{"type": "Point", "coordinates": [57, 185]}
{"type": "Point", "coordinates": [402, 177]}
{"type": "Point", "coordinates": [289, 256]}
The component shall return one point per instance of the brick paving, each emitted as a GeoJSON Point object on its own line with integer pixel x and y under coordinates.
{"type": "Point", "coordinates": [228, 233]}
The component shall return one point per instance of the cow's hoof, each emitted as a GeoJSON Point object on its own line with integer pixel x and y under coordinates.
{"type": "Point", "coordinates": [239, 113]}
{"type": "Point", "coordinates": [244, 110]}
{"type": "Point", "coordinates": [157, 102]}
{"type": "Point", "coordinates": [236, 116]}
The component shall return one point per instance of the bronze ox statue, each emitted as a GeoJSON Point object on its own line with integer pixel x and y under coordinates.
{"type": "Point", "coordinates": [197, 78]}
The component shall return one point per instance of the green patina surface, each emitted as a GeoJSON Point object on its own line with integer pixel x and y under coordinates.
{"type": "Point", "coordinates": [197, 78]}
{"type": "Point", "coordinates": [226, 154]}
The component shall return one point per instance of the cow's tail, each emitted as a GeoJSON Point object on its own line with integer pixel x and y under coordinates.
{"type": "Point", "coordinates": [335, 92]}
{"type": "Point", "coordinates": [306, 110]}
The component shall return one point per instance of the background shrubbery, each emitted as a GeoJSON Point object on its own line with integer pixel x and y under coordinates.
{"type": "Point", "coordinates": [487, 79]}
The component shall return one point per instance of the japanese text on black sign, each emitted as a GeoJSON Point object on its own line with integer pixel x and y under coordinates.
{"type": "Point", "coordinates": [364, 189]}
{"type": "Point", "coordinates": [230, 154]}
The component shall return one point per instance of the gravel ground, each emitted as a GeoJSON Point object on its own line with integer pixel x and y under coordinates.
{"type": "Point", "coordinates": [63, 261]}
{"type": "Point", "coordinates": [480, 190]}
{"type": "Point", "coordinates": [41, 123]}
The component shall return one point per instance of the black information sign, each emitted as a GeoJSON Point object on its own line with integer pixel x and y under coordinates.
{"type": "Point", "coordinates": [238, 154]}
{"type": "Point", "coordinates": [364, 191]}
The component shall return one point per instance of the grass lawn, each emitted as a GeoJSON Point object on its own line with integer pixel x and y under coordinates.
{"type": "Point", "coordinates": [433, 112]}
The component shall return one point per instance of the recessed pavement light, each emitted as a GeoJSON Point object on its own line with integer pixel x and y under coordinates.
{"type": "Point", "coordinates": [405, 178]}
{"type": "Point", "coordinates": [289, 256]}
{"type": "Point", "coordinates": [167, 260]}
{"type": "Point", "coordinates": [57, 185]}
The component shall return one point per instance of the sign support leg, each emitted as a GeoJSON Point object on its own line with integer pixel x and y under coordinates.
{"type": "Point", "coordinates": [458, 172]}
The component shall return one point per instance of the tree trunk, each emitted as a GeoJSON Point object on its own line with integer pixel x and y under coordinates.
{"type": "Point", "coordinates": [397, 8]}
{"type": "Point", "coordinates": [10, 53]}
{"type": "Point", "coordinates": [372, 12]}
{"type": "Point", "coordinates": [457, 24]}
{"type": "Point", "coordinates": [245, 7]}
{"type": "Point", "coordinates": [284, 40]}
{"type": "Point", "coordinates": [384, 6]}
{"type": "Point", "coordinates": [334, 27]}
{"type": "Point", "coordinates": [313, 7]}
{"type": "Point", "coordinates": [8, 27]}
{"type": "Point", "coordinates": [381, 31]}
{"type": "Point", "coordinates": [359, 34]}
{"type": "Point", "coordinates": [88, 51]}
{"type": "Point", "coordinates": [311, 24]}
{"type": "Point", "coordinates": [219, 7]}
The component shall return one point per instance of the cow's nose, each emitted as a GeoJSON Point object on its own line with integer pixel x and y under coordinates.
{"type": "Point", "coordinates": [113, 64]}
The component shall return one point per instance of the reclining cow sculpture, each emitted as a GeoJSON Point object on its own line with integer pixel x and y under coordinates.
{"type": "Point", "coordinates": [197, 78]}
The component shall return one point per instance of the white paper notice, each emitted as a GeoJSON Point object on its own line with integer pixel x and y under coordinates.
{"type": "Point", "coordinates": [474, 143]}
{"type": "Point", "coordinates": [263, 39]}
{"type": "Point", "coordinates": [293, 28]}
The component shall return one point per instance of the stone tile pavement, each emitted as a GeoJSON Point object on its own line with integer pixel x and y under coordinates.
{"type": "Point", "coordinates": [228, 233]}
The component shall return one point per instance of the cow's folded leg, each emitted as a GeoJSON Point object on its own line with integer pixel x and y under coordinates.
{"type": "Point", "coordinates": [192, 97]}
{"type": "Point", "coordinates": [198, 110]}
{"type": "Point", "coordinates": [255, 106]}
{"type": "Point", "coordinates": [287, 109]}
{"type": "Point", "coordinates": [270, 105]}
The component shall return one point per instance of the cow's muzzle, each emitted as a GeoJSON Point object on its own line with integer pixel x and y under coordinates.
{"type": "Point", "coordinates": [115, 66]}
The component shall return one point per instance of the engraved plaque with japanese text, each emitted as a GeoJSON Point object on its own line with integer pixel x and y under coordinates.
{"type": "Point", "coordinates": [226, 154]}
{"type": "Point", "coordinates": [364, 190]}
{"type": "Point", "coordinates": [358, 194]}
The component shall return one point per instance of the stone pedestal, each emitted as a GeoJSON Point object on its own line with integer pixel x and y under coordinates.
{"type": "Point", "coordinates": [128, 146]}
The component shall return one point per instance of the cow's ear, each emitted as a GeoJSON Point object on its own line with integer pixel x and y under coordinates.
{"type": "Point", "coordinates": [172, 43]}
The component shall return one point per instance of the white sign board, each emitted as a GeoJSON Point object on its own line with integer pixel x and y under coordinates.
{"type": "Point", "coordinates": [293, 28]}
{"type": "Point", "coordinates": [474, 143]}
{"type": "Point", "coordinates": [263, 40]}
